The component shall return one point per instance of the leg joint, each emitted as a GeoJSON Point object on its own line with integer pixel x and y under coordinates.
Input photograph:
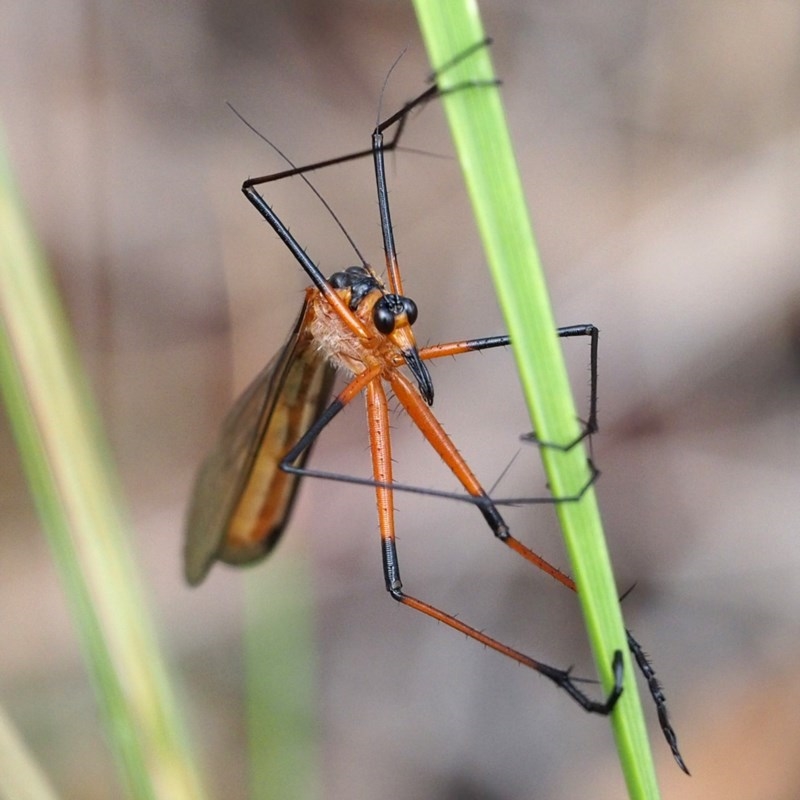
{"type": "Point", "coordinates": [496, 522]}
{"type": "Point", "coordinates": [396, 592]}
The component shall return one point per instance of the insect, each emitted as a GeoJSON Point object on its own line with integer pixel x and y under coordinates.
{"type": "Point", "coordinates": [355, 323]}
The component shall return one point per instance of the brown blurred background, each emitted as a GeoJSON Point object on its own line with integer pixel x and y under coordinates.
{"type": "Point", "coordinates": [660, 146]}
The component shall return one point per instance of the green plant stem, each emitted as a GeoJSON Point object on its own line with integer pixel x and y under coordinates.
{"type": "Point", "coordinates": [20, 776]}
{"type": "Point", "coordinates": [484, 149]}
{"type": "Point", "coordinates": [72, 482]}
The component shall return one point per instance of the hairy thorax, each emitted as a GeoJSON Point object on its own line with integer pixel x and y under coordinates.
{"type": "Point", "coordinates": [341, 346]}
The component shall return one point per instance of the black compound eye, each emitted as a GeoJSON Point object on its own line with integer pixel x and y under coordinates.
{"type": "Point", "coordinates": [383, 316]}
{"type": "Point", "coordinates": [411, 310]}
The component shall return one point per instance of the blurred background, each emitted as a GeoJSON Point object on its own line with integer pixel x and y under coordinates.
{"type": "Point", "coordinates": [660, 147]}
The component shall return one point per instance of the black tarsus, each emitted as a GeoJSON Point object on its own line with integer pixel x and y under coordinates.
{"type": "Point", "coordinates": [590, 426]}
{"type": "Point", "coordinates": [659, 698]}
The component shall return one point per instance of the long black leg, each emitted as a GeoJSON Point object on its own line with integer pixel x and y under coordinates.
{"type": "Point", "coordinates": [568, 331]}
{"type": "Point", "coordinates": [398, 119]}
{"type": "Point", "coordinates": [266, 211]}
{"type": "Point", "coordinates": [379, 146]}
{"type": "Point", "coordinates": [310, 268]}
{"type": "Point", "coordinates": [287, 464]}
{"type": "Point", "coordinates": [439, 351]}
{"type": "Point", "coordinates": [590, 426]}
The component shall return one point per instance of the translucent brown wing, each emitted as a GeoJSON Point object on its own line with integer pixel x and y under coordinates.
{"type": "Point", "coordinates": [242, 500]}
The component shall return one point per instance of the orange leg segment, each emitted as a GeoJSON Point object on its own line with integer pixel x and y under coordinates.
{"type": "Point", "coordinates": [380, 445]}
{"type": "Point", "coordinates": [432, 430]}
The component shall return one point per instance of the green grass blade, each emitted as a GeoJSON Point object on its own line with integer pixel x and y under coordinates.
{"type": "Point", "coordinates": [484, 149]}
{"type": "Point", "coordinates": [20, 776]}
{"type": "Point", "coordinates": [281, 680]}
{"type": "Point", "coordinates": [71, 479]}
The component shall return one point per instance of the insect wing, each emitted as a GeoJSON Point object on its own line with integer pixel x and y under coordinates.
{"type": "Point", "coordinates": [242, 500]}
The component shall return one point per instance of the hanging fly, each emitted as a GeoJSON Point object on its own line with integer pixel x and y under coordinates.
{"type": "Point", "coordinates": [354, 322]}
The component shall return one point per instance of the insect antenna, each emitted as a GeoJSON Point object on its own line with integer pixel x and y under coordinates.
{"type": "Point", "coordinates": [308, 183]}
{"type": "Point", "coordinates": [386, 83]}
